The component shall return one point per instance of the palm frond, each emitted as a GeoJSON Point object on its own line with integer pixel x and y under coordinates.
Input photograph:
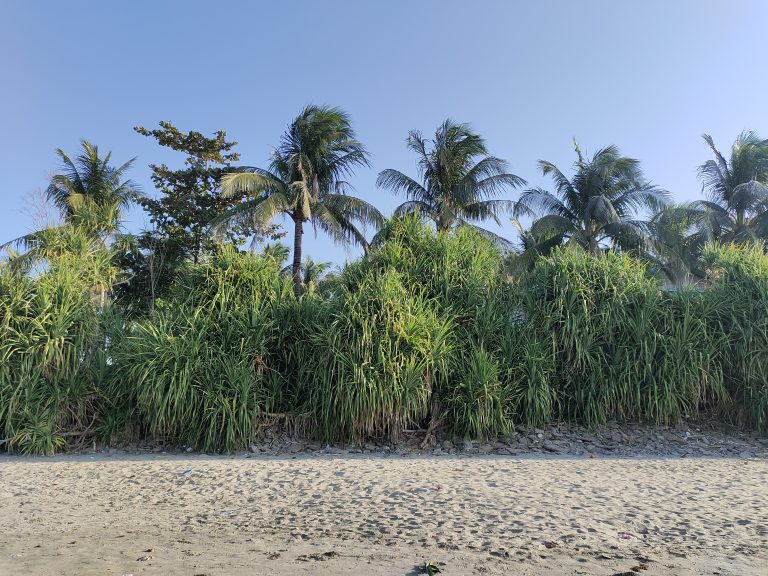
{"type": "Point", "coordinates": [399, 183]}
{"type": "Point", "coordinates": [259, 211]}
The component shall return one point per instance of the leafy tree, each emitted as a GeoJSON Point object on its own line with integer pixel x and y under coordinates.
{"type": "Point", "coordinates": [460, 181]}
{"type": "Point", "coordinates": [600, 203]}
{"type": "Point", "coordinates": [148, 263]}
{"type": "Point", "coordinates": [191, 197]}
{"type": "Point", "coordinates": [305, 182]}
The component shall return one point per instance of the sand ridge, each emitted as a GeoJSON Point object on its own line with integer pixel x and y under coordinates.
{"type": "Point", "coordinates": [376, 515]}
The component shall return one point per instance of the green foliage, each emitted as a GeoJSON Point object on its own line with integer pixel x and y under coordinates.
{"type": "Point", "coordinates": [204, 356]}
{"type": "Point", "coordinates": [431, 568]}
{"type": "Point", "coordinates": [369, 362]}
{"type": "Point", "coordinates": [737, 191]}
{"type": "Point", "coordinates": [190, 197]}
{"type": "Point", "coordinates": [148, 264]}
{"type": "Point", "coordinates": [599, 204]}
{"type": "Point", "coordinates": [461, 182]}
{"type": "Point", "coordinates": [423, 332]}
{"type": "Point", "coordinates": [50, 331]}
{"type": "Point", "coordinates": [306, 181]}
{"type": "Point", "coordinates": [90, 185]}
{"type": "Point", "coordinates": [459, 276]}
{"type": "Point", "coordinates": [619, 348]}
{"type": "Point", "coordinates": [740, 291]}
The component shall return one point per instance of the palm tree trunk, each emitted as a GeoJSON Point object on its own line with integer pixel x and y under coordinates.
{"type": "Point", "coordinates": [739, 219]}
{"type": "Point", "coordinates": [298, 232]}
{"type": "Point", "coordinates": [594, 247]}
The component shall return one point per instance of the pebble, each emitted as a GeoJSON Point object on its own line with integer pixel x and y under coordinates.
{"type": "Point", "coordinates": [709, 439]}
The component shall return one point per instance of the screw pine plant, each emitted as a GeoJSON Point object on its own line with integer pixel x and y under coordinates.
{"type": "Point", "coordinates": [423, 332]}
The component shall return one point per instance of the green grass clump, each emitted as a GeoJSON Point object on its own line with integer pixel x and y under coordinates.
{"type": "Point", "coordinates": [457, 277]}
{"type": "Point", "coordinates": [608, 343]}
{"type": "Point", "coordinates": [198, 370]}
{"type": "Point", "coordinates": [50, 337]}
{"type": "Point", "coordinates": [424, 332]}
{"type": "Point", "coordinates": [739, 294]}
{"type": "Point", "coordinates": [369, 364]}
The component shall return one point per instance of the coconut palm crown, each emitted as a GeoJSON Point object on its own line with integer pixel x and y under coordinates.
{"type": "Point", "coordinates": [737, 191]}
{"type": "Point", "coordinates": [600, 204]}
{"type": "Point", "coordinates": [306, 181]}
{"type": "Point", "coordinates": [459, 181]}
{"type": "Point", "coordinates": [90, 184]}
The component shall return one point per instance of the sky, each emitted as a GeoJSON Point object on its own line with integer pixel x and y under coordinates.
{"type": "Point", "coordinates": [650, 76]}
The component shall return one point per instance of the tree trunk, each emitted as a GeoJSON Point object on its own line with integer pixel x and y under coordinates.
{"type": "Point", "coordinates": [739, 219]}
{"type": "Point", "coordinates": [298, 232]}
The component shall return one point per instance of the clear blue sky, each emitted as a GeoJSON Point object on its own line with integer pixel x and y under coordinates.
{"type": "Point", "coordinates": [648, 75]}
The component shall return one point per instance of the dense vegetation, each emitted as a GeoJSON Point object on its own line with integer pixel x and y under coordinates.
{"type": "Point", "coordinates": [186, 337]}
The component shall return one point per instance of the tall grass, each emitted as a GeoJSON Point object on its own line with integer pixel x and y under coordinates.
{"type": "Point", "coordinates": [458, 276]}
{"type": "Point", "coordinates": [739, 292]}
{"type": "Point", "coordinates": [197, 372]}
{"type": "Point", "coordinates": [50, 338]}
{"type": "Point", "coordinates": [369, 366]}
{"type": "Point", "coordinates": [425, 332]}
{"type": "Point", "coordinates": [620, 348]}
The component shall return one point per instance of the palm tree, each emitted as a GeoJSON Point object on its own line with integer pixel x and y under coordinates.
{"type": "Point", "coordinates": [90, 194]}
{"type": "Point", "coordinates": [735, 210]}
{"type": "Point", "coordinates": [599, 204]}
{"type": "Point", "coordinates": [90, 185]}
{"type": "Point", "coordinates": [737, 191]}
{"type": "Point", "coordinates": [312, 273]}
{"type": "Point", "coordinates": [306, 182]}
{"type": "Point", "coordinates": [460, 181]}
{"type": "Point", "coordinates": [530, 246]}
{"type": "Point", "coordinates": [674, 246]}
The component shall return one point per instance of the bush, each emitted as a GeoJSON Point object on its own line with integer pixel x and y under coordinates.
{"type": "Point", "coordinates": [620, 348]}
{"type": "Point", "coordinates": [198, 370]}
{"type": "Point", "coordinates": [50, 337]}
{"type": "Point", "coordinates": [423, 332]}
{"type": "Point", "coordinates": [368, 366]}
{"type": "Point", "coordinates": [458, 279]}
{"type": "Point", "coordinates": [739, 294]}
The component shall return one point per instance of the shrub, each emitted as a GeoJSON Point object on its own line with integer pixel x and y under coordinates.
{"type": "Point", "coordinates": [197, 370]}
{"type": "Point", "coordinates": [50, 335]}
{"type": "Point", "coordinates": [739, 294]}
{"type": "Point", "coordinates": [619, 347]}
{"type": "Point", "coordinates": [458, 277]}
{"type": "Point", "coordinates": [423, 332]}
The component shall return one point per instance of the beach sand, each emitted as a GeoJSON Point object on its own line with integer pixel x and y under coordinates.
{"type": "Point", "coordinates": [375, 515]}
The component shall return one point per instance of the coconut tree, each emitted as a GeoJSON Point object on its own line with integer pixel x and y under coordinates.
{"type": "Point", "coordinates": [600, 204]}
{"type": "Point", "coordinates": [89, 184]}
{"type": "Point", "coordinates": [90, 194]}
{"type": "Point", "coordinates": [530, 246]}
{"type": "Point", "coordinates": [736, 190]}
{"type": "Point", "coordinates": [674, 246]}
{"type": "Point", "coordinates": [459, 181]}
{"type": "Point", "coordinates": [734, 211]}
{"type": "Point", "coordinates": [306, 181]}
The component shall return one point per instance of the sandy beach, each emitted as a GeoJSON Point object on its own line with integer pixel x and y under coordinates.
{"type": "Point", "coordinates": [382, 515]}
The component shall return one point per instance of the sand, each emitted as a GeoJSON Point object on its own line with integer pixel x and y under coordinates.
{"type": "Point", "coordinates": [382, 515]}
